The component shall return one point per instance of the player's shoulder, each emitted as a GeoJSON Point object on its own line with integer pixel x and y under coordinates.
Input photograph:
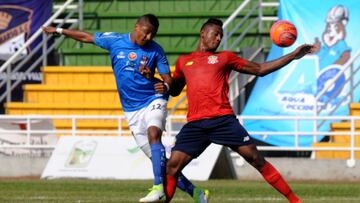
{"type": "Point", "coordinates": [185, 57]}
{"type": "Point", "coordinates": [188, 56]}
{"type": "Point", "coordinates": [113, 35]}
{"type": "Point", "coordinates": [229, 55]}
{"type": "Point", "coordinates": [227, 52]}
{"type": "Point", "coordinates": [185, 60]}
{"type": "Point", "coordinates": [155, 46]}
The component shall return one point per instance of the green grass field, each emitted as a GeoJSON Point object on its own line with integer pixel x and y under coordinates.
{"type": "Point", "coordinates": [107, 191]}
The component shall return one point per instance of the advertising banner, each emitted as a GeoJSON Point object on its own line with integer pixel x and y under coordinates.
{"type": "Point", "coordinates": [291, 91]}
{"type": "Point", "coordinates": [116, 157]}
{"type": "Point", "coordinates": [19, 19]}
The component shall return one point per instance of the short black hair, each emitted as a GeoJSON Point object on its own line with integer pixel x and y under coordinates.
{"type": "Point", "coordinates": [212, 21]}
{"type": "Point", "coordinates": [149, 18]}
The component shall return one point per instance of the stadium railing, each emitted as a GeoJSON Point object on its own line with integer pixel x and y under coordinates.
{"type": "Point", "coordinates": [28, 132]}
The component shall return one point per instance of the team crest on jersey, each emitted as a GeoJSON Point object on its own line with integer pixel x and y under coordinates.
{"type": "Point", "coordinates": [189, 63]}
{"type": "Point", "coordinates": [213, 59]}
{"type": "Point", "coordinates": [132, 56]}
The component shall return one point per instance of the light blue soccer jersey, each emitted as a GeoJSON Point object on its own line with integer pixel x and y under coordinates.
{"type": "Point", "coordinates": [135, 91]}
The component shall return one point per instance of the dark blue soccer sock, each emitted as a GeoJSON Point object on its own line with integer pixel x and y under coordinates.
{"type": "Point", "coordinates": [185, 185]}
{"type": "Point", "coordinates": [158, 160]}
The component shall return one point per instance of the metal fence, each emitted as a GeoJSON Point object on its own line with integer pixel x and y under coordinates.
{"type": "Point", "coordinates": [174, 123]}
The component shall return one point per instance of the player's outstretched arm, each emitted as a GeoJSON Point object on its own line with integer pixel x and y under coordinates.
{"type": "Point", "coordinates": [262, 69]}
{"type": "Point", "coordinates": [74, 34]}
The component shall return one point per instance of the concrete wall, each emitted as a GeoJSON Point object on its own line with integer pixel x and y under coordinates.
{"type": "Point", "coordinates": [12, 166]}
{"type": "Point", "coordinates": [303, 169]}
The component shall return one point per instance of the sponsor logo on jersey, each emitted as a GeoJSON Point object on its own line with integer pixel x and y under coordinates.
{"type": "Point", "coordinates": [189, 63]}
{"type": "Point", "coordinates": [247, 138]}
{"type": "Point", "coordinates": [107, 33]}
{"type": "Point", "coordinates": [213, 59]}
{"type": "Point", "coordinates": [132, 56]}
{"type": "Point", "coordinates": [121, 55]}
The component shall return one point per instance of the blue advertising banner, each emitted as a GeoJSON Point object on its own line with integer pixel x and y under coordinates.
{"type": "Point", "coordinates": [290, 91]}
{"type": "Point", "coordinates": [19, 19]}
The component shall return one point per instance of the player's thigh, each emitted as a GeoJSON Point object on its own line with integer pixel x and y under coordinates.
{"type": "Point", "coordinates": [192, 140]}
{"type": "Point", "coordinates": [156, 113]}
{"type": "Point", "coordinates": [136, 123]}
{"type": "Point", "coordinates": [178, 160]}
{"type": "Point", "coordinates": [229, 132]}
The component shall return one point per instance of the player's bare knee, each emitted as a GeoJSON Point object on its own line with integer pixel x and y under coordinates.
{"type": "Point", "coordinates": [154, 134]}
{"type": "Point", "coordinates": [172, 167]}
{"type": "Point", "coordinates": [258, 161]}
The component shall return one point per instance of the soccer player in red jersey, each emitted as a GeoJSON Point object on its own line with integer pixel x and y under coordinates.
{"type": "Point", "coordinates": [210, 116]}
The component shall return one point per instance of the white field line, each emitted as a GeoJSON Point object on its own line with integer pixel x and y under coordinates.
{"type": "Point", "coordinates": [240, 199]}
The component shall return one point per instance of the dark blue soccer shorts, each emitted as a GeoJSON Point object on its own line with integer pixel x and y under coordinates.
{"type": "Point", "coordinates": [196, 136]}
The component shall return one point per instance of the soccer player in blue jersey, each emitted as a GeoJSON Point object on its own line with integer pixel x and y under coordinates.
{"type": "Point", "coordinates": [134, 57]}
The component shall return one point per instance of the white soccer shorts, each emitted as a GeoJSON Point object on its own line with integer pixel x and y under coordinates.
{"type": "Point", "coordinates": [139, 121]}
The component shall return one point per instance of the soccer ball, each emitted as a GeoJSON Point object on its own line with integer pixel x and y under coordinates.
{"type": "Point", "coordinates": [283, 33]}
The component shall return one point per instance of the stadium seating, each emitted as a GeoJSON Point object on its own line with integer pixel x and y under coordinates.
{"type": "Point", "coordinates": [81, 90]}
{"type": "Point", "coordinates": [341, 140]}
{"type": "Point", "coordinates": [180, 23]}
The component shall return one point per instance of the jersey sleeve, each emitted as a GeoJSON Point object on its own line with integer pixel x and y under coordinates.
{"type": "Point", "coordinates": [178, 74]}
{"type": "Point", "coordinates": [105, 40]}
{"type": "Point", "coordinates": [162, 63]}
{"type": "Point", "coordinates": [234, 62]}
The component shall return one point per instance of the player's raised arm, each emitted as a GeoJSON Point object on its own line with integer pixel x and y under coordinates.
{"type": "Point", "coordinates": [262, 69]}
{"type": "Point", "coordinates": [74, 34]}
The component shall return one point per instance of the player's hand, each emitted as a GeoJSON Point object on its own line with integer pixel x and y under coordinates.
{"type": "Point", "coordinates": [317, 45]}
{"type": "Point", "coordinates": [145, 71]}
{"type": "Point", "coordinates": [303, 50]}
{"type": "Point", "coordinates": [160, 88]}
{"type": "Point", "coordinates": [49, 30]}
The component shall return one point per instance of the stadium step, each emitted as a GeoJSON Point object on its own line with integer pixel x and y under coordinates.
{"type": "Point", "coordinates": [90, 94]}
{"type": "Point", "coordinates": [81, 75]}
{"type": "Point", "coordinates": [341, 140]}
{"type": "Point", "coordinates": [331, 154]}
{"type": "Point", "coordinates": [18, 108]}
{"type": "Point", "coordinates": [78, 75]}
{"type": "Point", "coordinates": [344, 127]}
{"type": "Point", "coordinates": [355, 109]}
{"type": "Point", "coordinates": [95, 94]}
{"type": "Point", "coordinates": [156, 6]}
